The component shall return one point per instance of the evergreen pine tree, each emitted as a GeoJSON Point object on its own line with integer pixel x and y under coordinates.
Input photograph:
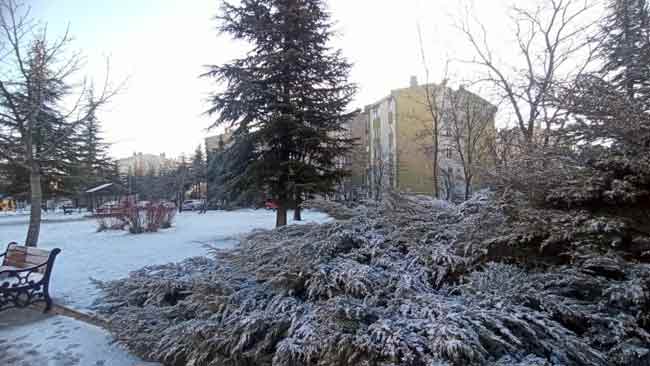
{"type": "Point", "coordinates": [89, 163]}
{"type": "Point", "coordinates": [198, 171]}
{"type": "Point", "coordinates": [94, 157]}
{"type": "Point", "coordinates": [285, 100]}
{"type": "Point", "coordinates": [227, 182]}
{"type": "Point", "coordinates": [626, 50]}
{"type": "Point", "coordinates": [214, 176]}
{"type": "Point", "coordinates": [181, 181]}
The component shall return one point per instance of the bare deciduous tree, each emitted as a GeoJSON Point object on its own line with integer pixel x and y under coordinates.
{"type": "Point", "coordinates": [40, 110]}
{"type": "Point", "coordinates": [502, 144]}
{"type": "Point", "coordinates": [470, 120]}
{"type": "Point", "coordinates": [435, 102]}
{"type": "Point", "coordinates": [554, 43]}
{"type": "Point", "coordinates": [382, 175]}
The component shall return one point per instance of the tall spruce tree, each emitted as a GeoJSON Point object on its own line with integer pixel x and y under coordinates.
{"type": "Point", "coordinates": [214, 176]}
{"type": "Point", "coordinates": [286, 99]}
{"type": "Point", "coordinates": [92, 164]}
{"type": "Point", "coordinates": [228, 185]}
{"type": "Point", "coordinates": [626, 50]}
{"type": "Point", "coordinates": [198, 172]}
{"type": "Point", "coordinates": [94, 156]}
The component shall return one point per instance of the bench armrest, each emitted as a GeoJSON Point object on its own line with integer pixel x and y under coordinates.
{"type": "Point", "coordinates": [23, 270]}
{"type": "Point", "coordinates": [22, 275]}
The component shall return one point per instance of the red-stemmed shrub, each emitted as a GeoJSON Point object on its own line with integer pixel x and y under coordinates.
{"type": "Point", "coordinates": [150, 218]}
{"type": "Point", "coordinates": [158, 216]}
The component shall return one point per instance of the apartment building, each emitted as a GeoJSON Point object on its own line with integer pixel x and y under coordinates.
{"type": "Point", "coordinates": [141, 164]}
{"type": "Point", "coordinates": [217, 142]}
{"type": "Point", "coordinates": [396, 138]}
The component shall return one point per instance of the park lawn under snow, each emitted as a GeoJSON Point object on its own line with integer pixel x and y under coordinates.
{"type": "Point", "coordinates": [87, 254]}
{"type": "Point", "coordinates": [30, 338]}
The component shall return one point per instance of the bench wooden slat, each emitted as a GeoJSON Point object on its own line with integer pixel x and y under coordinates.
{"type": "Point", "coordinates": [31, 263]}
{"type": "Point", "coordinates": [39, 258]}
{"type": "Point", "coordinates": [30, 257]}
{"type": "Point", "coordinates": [15, 260]}
{"type": "Point", "coordinates": [23, 257]}
{"type": "Point", "coordinates": [37, 252]}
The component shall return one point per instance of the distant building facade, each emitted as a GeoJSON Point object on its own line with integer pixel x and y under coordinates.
{"type": "Point", "coordinates": [395, 137]}
{"type": "Point", "coordinates": [217, 142]}
{"type": "Point", "coordinates": [140, 164]}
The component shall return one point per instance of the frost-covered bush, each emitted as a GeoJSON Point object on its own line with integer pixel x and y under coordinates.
{"type": "Point", "coordinates": [110, 222]}
{"type": "Point", "coordinates": [410, 282]}
{"type": "Point", "coordinates": [138, 219]}
{"type": "Point", "coordinates": [158, 216]}
{"type": "Point", "coordinates": [598, 162]}
{"type": "Point", "coordinates": [333, 208]}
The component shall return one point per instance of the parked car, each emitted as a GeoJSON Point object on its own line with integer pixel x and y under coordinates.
{"type": "Point", "coordinates": [168, 204]}
{"type": "Point", "coordinates": [191, 205]}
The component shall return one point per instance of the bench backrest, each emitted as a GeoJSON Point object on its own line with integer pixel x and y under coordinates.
{"type": "Point", "coordinates": [22, 257]}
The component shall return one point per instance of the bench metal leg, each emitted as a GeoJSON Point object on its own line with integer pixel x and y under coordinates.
{"type": "Point", "coordinates": [48, 300]}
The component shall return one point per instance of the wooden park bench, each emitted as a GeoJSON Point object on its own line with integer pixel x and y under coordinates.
{"type": "Point", "coordinates": [25, 276]}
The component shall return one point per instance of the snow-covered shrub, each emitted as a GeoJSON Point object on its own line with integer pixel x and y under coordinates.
{"type": "Point", "coordinates": [111, 222]}
{"type": "Point", "coordinates": [134, 219]}
{"type": "Point", "coordinates": [167, 216]}
{"type": "Point", "coordinates": [158, 216]}
{"type": "Point", "coordinates": [139, 219]}
{"type": "Point", "coordinates": [335, 209]}
{"type": "Point", "coordinates": [411, 282]}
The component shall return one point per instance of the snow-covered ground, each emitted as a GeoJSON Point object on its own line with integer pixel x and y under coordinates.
{"type": "Point", "coordinates": [27, 339]}
{"type": "Point", "coordinates": [34, 339]}
{"type": "Point", "coordinates": [21, 217]}
{"type": "Point", "coordinates": [110, 255]}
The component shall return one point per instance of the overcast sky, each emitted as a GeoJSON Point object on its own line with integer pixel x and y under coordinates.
{"type": "Point", "coordinates": [161, 46]}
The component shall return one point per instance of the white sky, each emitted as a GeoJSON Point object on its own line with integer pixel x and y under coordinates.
{"type": "Point", "coordinates": [160, 46]}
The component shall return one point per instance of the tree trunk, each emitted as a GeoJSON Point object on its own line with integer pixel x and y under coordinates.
{"type": "Point", "coordinates": [468, 188]}
{"type": "Point", "coordinates": [297, 215]}
{"type": "Point", "coordinates": [436, 187]}
{"type": "Point", "coordinates": [281, 215]}
{"type": "Point", "coordinates": [36, 196]}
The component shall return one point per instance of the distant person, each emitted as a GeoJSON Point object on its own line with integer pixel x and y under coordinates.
{"type": "Point", "coordinates": [204, 207]}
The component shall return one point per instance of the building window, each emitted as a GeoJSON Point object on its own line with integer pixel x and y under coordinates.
{"type": "Point", "coordinates": [448, 152]}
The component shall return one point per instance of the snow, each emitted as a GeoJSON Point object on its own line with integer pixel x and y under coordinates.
{"type": "Point", "coordinates": [87, 254]}
{"type": "Point", "coordinates": [22, 217]}
{"type": "Point", "coordinates": [28, 338]}
{"type": "Point", "coordinates": [31, 338]}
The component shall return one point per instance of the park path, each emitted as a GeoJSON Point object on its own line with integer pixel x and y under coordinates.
{"type": "Point", "coordinates": [31, 338]}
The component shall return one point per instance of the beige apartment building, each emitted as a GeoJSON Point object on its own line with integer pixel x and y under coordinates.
{"type": "Point", "coordinates": [140, 164]}
{"type": "Point", "coordinates": [395, 137]}
{"type": "Point", "coordinates": [217, 142]}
